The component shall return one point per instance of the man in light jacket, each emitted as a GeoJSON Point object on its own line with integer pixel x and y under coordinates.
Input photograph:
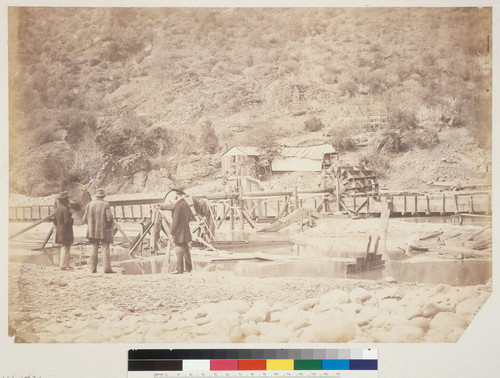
{"type": "Point", "coordinates": [99, 219]}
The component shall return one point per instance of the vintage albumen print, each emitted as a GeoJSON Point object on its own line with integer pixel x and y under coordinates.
{"type": "Point", "coordinates": [248, 175]}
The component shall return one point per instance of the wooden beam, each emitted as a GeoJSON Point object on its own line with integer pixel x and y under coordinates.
{"type": "Point", "coordinates": [342, 204]}
{"type": "Point", "coordinates": [47, 237]}
{"type": "Point", "coordinates": [368, 245]}
{"type": "Point", "coordinates": [432, 235]}
{"type": "Point", "coordinates": [31, 226]}
{"type": "Point", "coordinates": [285, 207]}
{"type": "Point", "coordinates": [224, 216]}
{"type": "Point", "coordinates": [141, 238]}
{"type": "Point", "coordinates": [122, 232]}
{"type": "Point", "coordinates": [231, 214]}
{"type": "Point", "coordinates": [249, 220]}
{"type": "Point", "coordinates": [360, 206]}
{"type": "Point", "coordinates": [477, 233]}
{"type": "Point", "coordinates": [375, 248]}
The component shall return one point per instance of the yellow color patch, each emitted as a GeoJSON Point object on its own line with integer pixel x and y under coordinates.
{"type": "Point", "coordinates": [279, 364]}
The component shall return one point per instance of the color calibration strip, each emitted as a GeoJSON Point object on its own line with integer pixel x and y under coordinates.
{"type": "Point", "coordinates": [158, 363]}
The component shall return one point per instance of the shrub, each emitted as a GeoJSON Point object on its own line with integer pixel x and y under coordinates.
{"type": "Point", "coordinates": [262, 136]}
{"type": "Point", "coordinates": [390, 141]}
{"type": "Point", "coordinates": [342, 137]}
{"type": "Point", "coordinates": [423, 139]}
{"type": "Point", "coordinates": [378, 163]}
{"type": "Point", "coordinates": [348, 86]}
{"type": "Point", "coordinates": [43, 134]}
{"type": "Point", "coordinates": [313, 124]}
{"type": "Point", "coordinates": [376, 81]}
{"type": "Point", "coordinates": [87, 160]}
{"type": "Point", "coordinates": [129, 133]}
{"type": "Point", "coordinates": [182, 142]}
{"type": "Point", "coordinates": [43, 170]}
{"type": "Point", "coordinates": [403, 119]}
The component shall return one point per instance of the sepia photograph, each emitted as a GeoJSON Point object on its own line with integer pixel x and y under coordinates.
{"type": "Point", "coordinates": [248, 176]}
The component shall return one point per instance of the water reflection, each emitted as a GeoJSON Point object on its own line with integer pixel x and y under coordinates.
{"type": "Point", "coordinates": [457, 273]}
{"type": "Point", "coordinates": [328, 260]}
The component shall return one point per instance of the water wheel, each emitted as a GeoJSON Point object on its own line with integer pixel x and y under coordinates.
{"type": "Point", "coordinates": [357, 179]}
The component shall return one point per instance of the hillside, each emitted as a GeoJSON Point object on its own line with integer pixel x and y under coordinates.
{"type": "Point", "coordinates": [135, 99]}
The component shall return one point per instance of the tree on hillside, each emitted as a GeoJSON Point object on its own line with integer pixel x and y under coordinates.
{"type": "Point", "coordinates": [263, 136]}
{"type": "Point", "coordinates": [208, 139]}
{"type": "Point", "coordinates": [313, 124]}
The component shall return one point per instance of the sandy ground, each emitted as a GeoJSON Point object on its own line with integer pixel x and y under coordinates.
{"type": "Point", "coordinates": [47, 305]}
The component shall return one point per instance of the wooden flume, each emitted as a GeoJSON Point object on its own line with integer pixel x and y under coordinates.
{"type": "Point", "coordinates": [242, 205]}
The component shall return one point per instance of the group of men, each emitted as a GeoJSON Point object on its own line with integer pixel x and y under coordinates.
{"type": "Point", "coordinates": [100, 230]}
{"type": "Point", "coordinates": [99, 219]}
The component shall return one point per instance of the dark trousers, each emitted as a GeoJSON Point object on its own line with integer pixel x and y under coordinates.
{"type": "Point", "coordinates": [183, 255]}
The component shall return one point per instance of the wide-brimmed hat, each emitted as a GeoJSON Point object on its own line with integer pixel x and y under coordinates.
{"type": "Point", "coordinates": [178, 189]}
{"type": "Point", "coordinates": [63, 195]}
{"type": "Point", "coordinates": [171, 195]}
{"type": "Point", "coordinates": [99, 193]}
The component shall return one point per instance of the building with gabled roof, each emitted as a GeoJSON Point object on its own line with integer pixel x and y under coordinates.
{"type": "Point", "coordinates": [240, 161]}
{"type": "Point", "coordinates": [304, 158]}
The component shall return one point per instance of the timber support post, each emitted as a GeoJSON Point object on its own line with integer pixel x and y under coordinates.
{"type": "Point", "coordinates": [231, 214]}
{"type": "Point", "coordinates": [241, 205]}
{"type": "Point", "coordinates": [295, 197]}
{"type": "Point", "coordinates": [337, 193]}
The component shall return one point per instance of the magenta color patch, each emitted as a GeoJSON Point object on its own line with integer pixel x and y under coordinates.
{"type": "Point", "coordinates": [223, 364]}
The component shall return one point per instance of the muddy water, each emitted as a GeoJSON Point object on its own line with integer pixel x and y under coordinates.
{"type": "Point", "coordinates": [331, 261]}
{"type": "Point", "coordinates": [457, 273]}
{"type": "Point", "coordinates": [302, 260]}
{"type": "Point", "coordinates": [464, 219]}
{"type": "Point", "coordinates": [288, 260]}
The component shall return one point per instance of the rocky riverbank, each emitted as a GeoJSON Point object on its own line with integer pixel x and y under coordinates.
{"type": "Point", "coordinates": [47, 305]}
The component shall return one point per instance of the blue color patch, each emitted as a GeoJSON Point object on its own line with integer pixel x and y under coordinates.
{"type": "Point", "coordinates": [335, 364]}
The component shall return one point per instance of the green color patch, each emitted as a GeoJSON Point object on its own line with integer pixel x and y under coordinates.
{"type": "Point", "coordinates": [307, 365]}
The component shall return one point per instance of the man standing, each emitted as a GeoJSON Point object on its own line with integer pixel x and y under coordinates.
{"type": "Point", "coordinates": [100, 229]}
{"type": "Point", "coordinates": [181, 215]}
{"type": "Point", "coordinates": [63, 221]}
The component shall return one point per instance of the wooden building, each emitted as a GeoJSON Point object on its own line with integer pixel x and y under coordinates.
{"type": "Point", "coordinates": [301, 158]}
{"type": "Point", "coordinates": [240, 161]}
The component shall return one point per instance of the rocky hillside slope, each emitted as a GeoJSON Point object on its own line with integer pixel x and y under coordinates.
{"type": "Point", "coordinates": [136, 99]}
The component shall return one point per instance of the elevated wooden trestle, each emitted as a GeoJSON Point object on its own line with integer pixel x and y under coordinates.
{"type": "Point", "coordinates": [277, 209]}
{"type": "Point", "coordinates": [268, 205]}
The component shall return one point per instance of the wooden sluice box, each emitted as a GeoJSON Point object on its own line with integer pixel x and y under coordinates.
{"type": "Point", "coordinates": [371, 260]}
{"type": "Point", "coordinates": [411, 203]}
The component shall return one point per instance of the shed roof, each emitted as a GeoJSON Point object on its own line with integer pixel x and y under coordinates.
{"type": "Point", "coordinates": [311, 152]}
{"type": "Point", "coordinates": [241, 150]}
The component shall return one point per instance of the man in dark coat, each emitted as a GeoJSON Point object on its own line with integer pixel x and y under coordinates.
{"type": "Point", "coordinates": [63, 221]}
{"type": "Point", "coordinates": [99, 219]}
{"type": "Point", "coordinates": [181, 233]}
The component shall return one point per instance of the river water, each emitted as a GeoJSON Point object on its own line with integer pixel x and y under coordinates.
{"type": "Point", "coordinates": [274, 255]}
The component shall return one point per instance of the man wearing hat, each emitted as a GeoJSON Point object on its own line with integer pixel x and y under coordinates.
{"type": "Point", "coordinates": [100, 229]}
{"type": "Point", "coordinates": [63, 221]}
{"type": "Point", "coordinates": [181, 233]}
